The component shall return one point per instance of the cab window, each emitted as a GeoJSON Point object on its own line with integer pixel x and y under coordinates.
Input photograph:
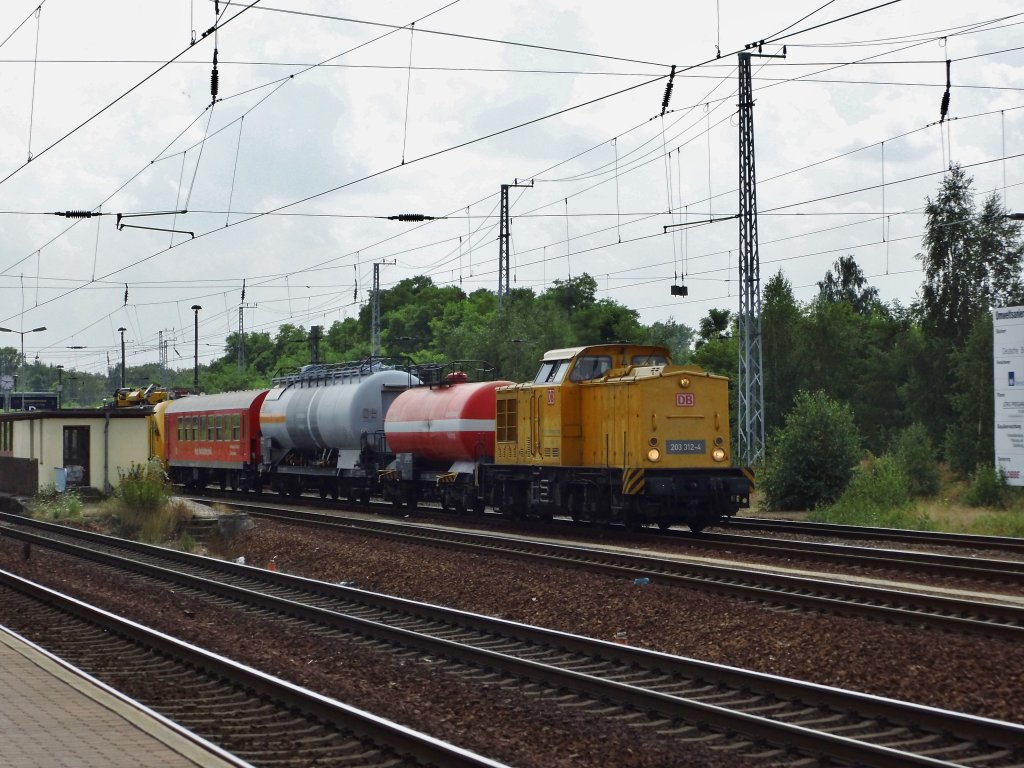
{"type": "Point", "coordinates": [591, 367]}
{"type": "Point", "coordinates": [551, 372]}
{"type": "Point", "coordinates": [645, 360]}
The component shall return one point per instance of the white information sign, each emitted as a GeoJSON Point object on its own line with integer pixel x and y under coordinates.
{"type": "Point", "coordinates": [1008, 364]}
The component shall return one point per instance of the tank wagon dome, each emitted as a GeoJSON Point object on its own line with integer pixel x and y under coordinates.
{"type": "Point", "coordinates": [331, 406]}
{"type": "Point", "coordinates": [445, 424]}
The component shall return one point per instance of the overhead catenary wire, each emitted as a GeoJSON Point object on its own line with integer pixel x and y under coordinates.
{"type": "Point", "coordinates": [574, 217]}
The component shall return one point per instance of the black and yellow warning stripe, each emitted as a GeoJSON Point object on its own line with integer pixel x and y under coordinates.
{"type": "Point", "coordinates": [632, 481]}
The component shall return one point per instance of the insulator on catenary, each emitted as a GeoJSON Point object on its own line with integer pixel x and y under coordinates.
{"type": "Point", "coordinates": [668, 90]}
{"type": "Point", "coordinates": [77, 214]}
{"type": "Point", "coordinates": [944, 107]}
{"type": "Point", "coordinates": [411, 217]}
{"type": "Point", "coordinates": [214, 76]}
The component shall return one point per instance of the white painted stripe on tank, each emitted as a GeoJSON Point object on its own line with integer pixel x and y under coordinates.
{"type": "Point", "coordinates": [440, 425]}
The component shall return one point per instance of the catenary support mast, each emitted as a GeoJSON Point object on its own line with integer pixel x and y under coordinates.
{"type": "Point", "coordinates": [504, 232]}
{"type": "Point", "coordinates": [750, 410]}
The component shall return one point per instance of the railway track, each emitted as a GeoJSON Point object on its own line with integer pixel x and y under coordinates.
{"type": "Point", "coordinates": [259, 719]}
{"type": "Point", "coordinates": [913, 608]}
{"type": "Point", "coordinates": [926, 564]}
{"type": "Point", "coordinates": [680, 698]}
{"type": "Point", "coordinates": [1006, 544]}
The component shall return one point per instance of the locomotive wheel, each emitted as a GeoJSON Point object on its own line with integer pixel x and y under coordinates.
{"type": "Point", "coordinates": [323, 491]}
{"type": "Point", "coordinates": [664, 525]}
{"type": "Point", "coordinates": [697, 527]}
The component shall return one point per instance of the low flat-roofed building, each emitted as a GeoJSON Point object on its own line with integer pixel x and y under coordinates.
{"type": "Point", "coordinates": [81, 447]}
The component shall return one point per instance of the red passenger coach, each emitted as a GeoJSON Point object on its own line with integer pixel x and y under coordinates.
{"type": "Point", "coordinates": [444, 425]}
{"type": "Point", "coordinates": [214, 439]}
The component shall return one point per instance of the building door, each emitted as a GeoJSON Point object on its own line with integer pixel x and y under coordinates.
{"type": "Point", "coordinates": [76, 455]}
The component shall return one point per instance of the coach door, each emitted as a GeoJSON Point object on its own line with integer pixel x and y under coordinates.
{"type": "Point", "coordinates": [76, 455]}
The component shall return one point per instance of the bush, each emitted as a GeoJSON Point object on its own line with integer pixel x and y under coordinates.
{"type": "Point", "coordinates": [915, 454]}
{"type": "Point", "coordinates": [143, 487]}
{"type": "Point", "coordinates": [141, 504]}
{"type": "Point", "coordinates": [987, 488]}
{"type": "Point", "coordinates": [811, 458]}
{"type": "Point", "coordinates": [878, 495]}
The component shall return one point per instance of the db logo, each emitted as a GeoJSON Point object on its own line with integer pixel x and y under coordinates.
{"type": "Point", "coordinates": [551, 397]}
{"type": "Point", "coordinates": [684, 400]}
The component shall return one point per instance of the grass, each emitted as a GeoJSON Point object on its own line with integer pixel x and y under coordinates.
{"type": "Point", "coordinates": [875, 498]}
{"type": "Point", "coordinates": [49, 504]}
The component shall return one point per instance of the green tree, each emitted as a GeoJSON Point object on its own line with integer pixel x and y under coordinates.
{"type": "Point", "coordinates": [914, 452]}
{"type": "Point", "coordinates": [713, 327]}
{"type": "Point", "coordinates": [849, 285]}
{"type": "Point", "coordinates": [676, 336]}
{"type": "Point", "coordinates": [783, 327]}
{"type": "Point", "coordinates": [811, 458]}
{"type": "Point", "coordinates": [955, 275]}
{"type": "Point", "coordinates": [970, 436]}
{"type": "Point", "coordinates": [1001, 249]}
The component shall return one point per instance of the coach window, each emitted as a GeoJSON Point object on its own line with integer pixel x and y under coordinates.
{"type": "Point", "coordinates": [236, 427]}
{"type": "Point", "coordinates": [220, 428]}
{"type": "Point", "coordinates": [195, 427]}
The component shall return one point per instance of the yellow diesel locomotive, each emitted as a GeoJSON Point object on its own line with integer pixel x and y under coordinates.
{"type": "Point", "coordinates": [616, 433]}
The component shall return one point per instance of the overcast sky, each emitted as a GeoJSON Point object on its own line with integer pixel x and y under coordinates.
{"type": "Point", "coordinates": [322, 130]}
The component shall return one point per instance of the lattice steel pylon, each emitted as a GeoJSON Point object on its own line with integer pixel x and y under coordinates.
{"type": "Point", "coordinates": [375, 308]}
{"type": "Point", "coordinates": [504, 232]}
{"type": "Point", "coordinates": [750, 382]}
{"type": "Point", "coordinates": [161, 345]}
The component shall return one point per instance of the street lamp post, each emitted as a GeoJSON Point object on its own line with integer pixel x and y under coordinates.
{"type": "Point", "coordinates": [122, 329]}
{"type": "Point", "coordinates": [195, 369]}
{"type": "Point", "coordinates": [60, 385]}
{"type": "Point", "coordinates": [21, 360]}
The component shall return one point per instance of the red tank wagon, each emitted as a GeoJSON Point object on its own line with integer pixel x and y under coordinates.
{"type": "Point", "coordinates": [444, 425]}
{"type": "Point", "coordinates": [439, 436]}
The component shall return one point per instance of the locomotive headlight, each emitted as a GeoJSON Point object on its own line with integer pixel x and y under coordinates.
{"type": "Point", "coordinates": [654, 455]}
{"type": "Point", "coordinates": [684, 383]}
{"type": "Point", "coordinates": [718, 454]}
